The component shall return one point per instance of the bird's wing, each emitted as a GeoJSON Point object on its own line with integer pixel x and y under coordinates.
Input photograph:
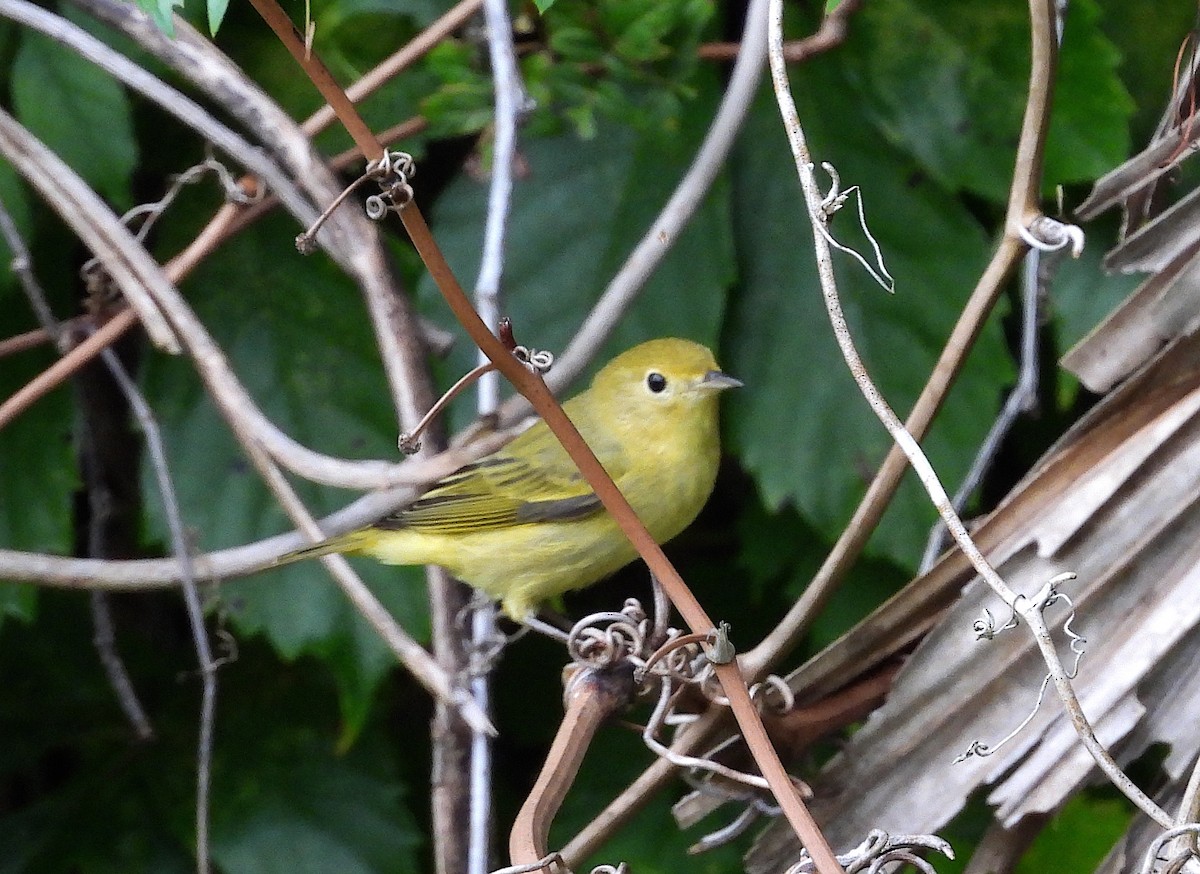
{"type": "Point", "coordinates": [530, 480]}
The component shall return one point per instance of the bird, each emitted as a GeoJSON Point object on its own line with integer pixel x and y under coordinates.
{"type": "Point", "coordinates": [523, 526]}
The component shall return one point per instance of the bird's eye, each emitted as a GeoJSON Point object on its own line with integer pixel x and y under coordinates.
{"type": "Point", "coordinates": [656, 382]}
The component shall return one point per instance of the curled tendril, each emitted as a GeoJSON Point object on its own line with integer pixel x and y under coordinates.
{"type": "Point", "coordinates": [1050, 235]}
{"type": "Point", "coordinates": [603, 639]}
{"type": "Point", "coordinates": [834, 201]}
{"type": "Point", "coordinates": [983, 750]}
{"type": "Point", "coordinates": [1156, 860]}
{"type": "Point", "coordinates": [1078, 642]}
{"type": "Point", "coordinates": [392, 171]}
{"type": "Point", "coordinates": [783, 700]}
{"type": "Point", "coordinates": [664, 714]}
{"type": "Point", "coordinates": [537, 360]}
{"type": "Point", "coordinates": [554, 861]}
{"type": "Point", "coordinates": [985, 627]}
{"type": "Point", "coordinates": [484, 652]}
{"type": "Point", "coordinates": [880, 849]}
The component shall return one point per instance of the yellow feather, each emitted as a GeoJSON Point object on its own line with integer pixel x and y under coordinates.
{"type": "Point", "coordinates": [522, 524]}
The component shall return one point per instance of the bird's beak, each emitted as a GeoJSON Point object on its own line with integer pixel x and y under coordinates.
{"type": "Point", "coordinates": [715, 380]}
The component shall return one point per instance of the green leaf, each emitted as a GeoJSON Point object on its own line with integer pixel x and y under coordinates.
{"type": "Point", "coordinates": [801, 426]}
{"type": "Point", "coordinates": [162, 12]}
{"type": "Point", "coordinates": [543, 5]}
{"type": "Point", "coordinates": [578, 210]}
{"type": "Point", "coordinates": [37, 474]}
{"type": "Point", "coordinates": [18, 600]}
{"type": "Point", "coordinates": [1082, 293]}
{"type": "Point", "coordinates": [300, 340]}
{"type": "Point", "coordinates": [78, 111]}
{"type": "Point", "coordinates": [1089, 125]}
{"type": "Point", "coordinates": [577, 44]}
{"type": "Point", "coordinates": [960, 114]}
{"type": "Point", "coordinates": [1080, 836]}
{"type": "Point", "coordinates": [315, 814]}
{"type": "Point", "coordinates": [216, 14]}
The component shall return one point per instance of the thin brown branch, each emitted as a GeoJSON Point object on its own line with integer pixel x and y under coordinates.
{"type": "Point", "coordinates": [1025, 194]}
{"type": "Point", "coordinates": [1022, 206]}
{"type": "Point", "coordinates": [229, 220]}
{"type": "Point", "coordinates": [24, 342]}
{"type": "Point", "coordinates": [335, 97]}
{"type": "Point", "coordinates": [784, 637]}
{"type": "Point", "coordinates": [62, 369]}
{"type": "Point", "coordinates": [415, 49]}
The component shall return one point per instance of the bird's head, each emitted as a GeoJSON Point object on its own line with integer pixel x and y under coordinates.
{"type": "Point", "coordinates": [662, 378]}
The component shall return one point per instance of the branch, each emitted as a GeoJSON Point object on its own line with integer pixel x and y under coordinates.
{"type": "Point", "coordinates": [1029, 608]}
{"type": "Point", "coordinates": [1023, 192]}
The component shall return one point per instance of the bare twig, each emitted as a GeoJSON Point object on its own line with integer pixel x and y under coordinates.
{"type": "Point", "coordinates": [62, 369]}
{"type": "Point", "coordinates": [1022, 204]}
{"type": "Point", "coordinates": [105, 640]}
{"type": "Point", "coordinates": [1189, 807]}
{"type": "Point", "coordinates": [102, 617]}
{"type": "Point", "coordinates": [103, 637]}
{"type": "Point", "coordinates": [140, 574]}
{"type": "Point", "coordinates": [24, 342]}
{"type": "Point", "coordinates": [1022, 399]}
{"type": "Point", "coordinates": [241, 413]}
{"type": "Point", "coordinates": [191, 597]}
{"type": "Point", "coordinates": [339, 103]}
{"type": "Point", "coordinates": [167, 98]}
{"type": "Point", "coordinates": [100, 230]}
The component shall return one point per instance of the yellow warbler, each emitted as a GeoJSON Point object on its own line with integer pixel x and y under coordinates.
{"type": "Point", "coordinates": [523, 525]}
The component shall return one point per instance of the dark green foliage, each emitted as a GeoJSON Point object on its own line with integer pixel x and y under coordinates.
{"type": "Point", "coordinates": [316, 764]}
{"type": "Point", "coordinates": [77, 111]}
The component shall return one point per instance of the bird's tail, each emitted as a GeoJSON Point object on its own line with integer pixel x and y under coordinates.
{"type": "Point", "coordinates": [352, 541]}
